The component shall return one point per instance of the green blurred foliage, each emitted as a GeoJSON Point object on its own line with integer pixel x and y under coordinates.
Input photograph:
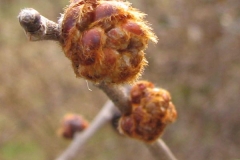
{"type": "Point", "coordinates": [197, 59]}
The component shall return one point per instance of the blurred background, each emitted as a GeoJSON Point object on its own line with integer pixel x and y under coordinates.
{"type": "Point", "coordinates": [197, 59]}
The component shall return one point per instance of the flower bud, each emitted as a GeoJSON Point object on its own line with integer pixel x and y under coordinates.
{"type": "Point", "coordinates": [93, 30]}
{"type": "Point", "coordinates": [152, 110]}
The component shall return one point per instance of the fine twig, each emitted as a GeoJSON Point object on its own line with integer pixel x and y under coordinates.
{"type": "Point", "coordinates": [116, 94]}
{"type": "Point", "coordinates": [104, 116]}
{"type": "Point", "coordinates": [39, 28]}
{"type": "Point", "coordinates": [159, 149]}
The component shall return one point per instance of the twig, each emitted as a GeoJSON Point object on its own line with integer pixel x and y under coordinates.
{"type": "Point", "coordinates": [116, 94]}
{"type": "Point", "coordinates": [38, 27]}
{"type": "Point", "coordinates": [104, 116]}
{"type": "Point", "coordinates": [159, 149]}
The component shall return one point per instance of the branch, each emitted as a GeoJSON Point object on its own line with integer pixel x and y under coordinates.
{"type": "Point", "coordinates": [160, 149]}
{"type": "Point", "coordinates": [118, 97]}
{"type": "Point", "coordinates": [38, 27]}
{"type": "Point", "coordinates": [116, 94]}
{"type": "Point", "coordinates": [104, 116]}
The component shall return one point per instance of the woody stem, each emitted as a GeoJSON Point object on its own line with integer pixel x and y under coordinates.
{"type": "Point", "coordinates": [37, 27]}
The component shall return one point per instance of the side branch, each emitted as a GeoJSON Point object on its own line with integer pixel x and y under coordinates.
{"type": "Point", "coordinates": [38, 27]}
{"type": "Point", "coordinates": [103, 117]}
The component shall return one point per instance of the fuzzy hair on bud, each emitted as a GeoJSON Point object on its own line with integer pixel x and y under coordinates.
{"type": "Point", "coordinates": [105, 40]}
{"type": "Point", "coordinates": [152, 110]}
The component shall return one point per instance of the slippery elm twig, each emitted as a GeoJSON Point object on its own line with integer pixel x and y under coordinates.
{"type": "Point", "coordinates": [37, 28]}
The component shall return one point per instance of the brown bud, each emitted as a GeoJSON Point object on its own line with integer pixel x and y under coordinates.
{"type": "Point", "coordinates": [71, 124]}
{"type": "Point", "coordinates": [152, 110]}
{"type": "Point", "coordinates": [93, 30]}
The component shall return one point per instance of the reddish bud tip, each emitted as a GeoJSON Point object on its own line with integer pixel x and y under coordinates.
{"type": "Point", "coordinates": [91, 40]}
{"type": "Point", "coordinates": [133, 27]}
{"type": "Point", "coordinates": [104, 10]}
{"type": "Point", "coordinates": [70, 20]}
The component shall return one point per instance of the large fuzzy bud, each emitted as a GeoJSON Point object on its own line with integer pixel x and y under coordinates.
{"type": "Point", "coordinates": [152, 110]}
{"type": "Point", "coordinates": [105, 40]}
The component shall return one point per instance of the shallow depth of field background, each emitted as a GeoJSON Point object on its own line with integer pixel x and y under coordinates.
{"type": "Point", "coordinates": [197, 59]}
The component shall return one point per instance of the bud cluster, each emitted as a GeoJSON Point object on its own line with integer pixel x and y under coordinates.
{"type": "Point", "coordinates": [152, 110]}
{"type": "Point", "coordinates": [105, 40]}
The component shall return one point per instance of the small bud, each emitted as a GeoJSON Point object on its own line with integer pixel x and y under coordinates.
{"type": "Point", "coordinates": [152, 110]}
{"type": "Point", "coordinates": [71, 124]}
{"type": "Point", "coordinates": [93, 30]}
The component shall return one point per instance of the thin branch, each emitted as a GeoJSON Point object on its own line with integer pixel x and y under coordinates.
{"type": "Point", "coordinates": [104, 116]}
{"type": "Point", "coordinates": [117, 95]}
{"type": "Point", "coordinates": [159, 149]}
{"type": "Point", "coordinates": [38, 27]}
